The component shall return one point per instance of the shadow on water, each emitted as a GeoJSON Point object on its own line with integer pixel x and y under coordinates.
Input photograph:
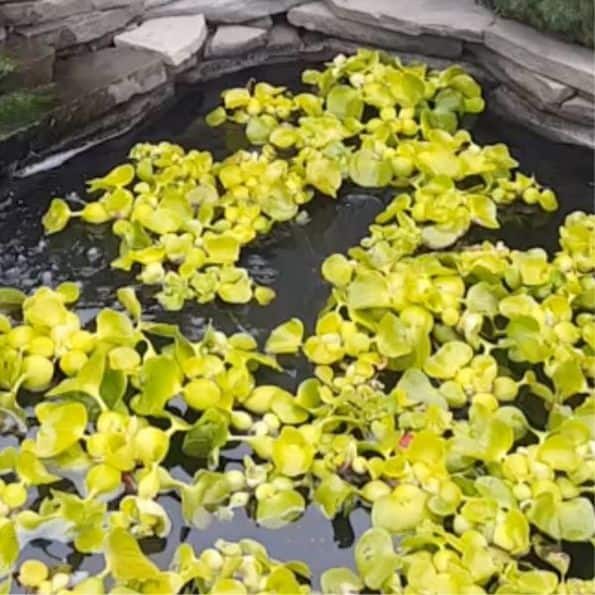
{"type": "Point", "coordinates": [289, 260]}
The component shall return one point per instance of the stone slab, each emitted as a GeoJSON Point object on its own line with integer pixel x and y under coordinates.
{"type": "Point", "coordinates": [284, 37]}
{"type": "Point", "coordinates": [579, 109]}
{"type": "Point", "coordinates": [58, 136]}
{"type": "Point", "coordinates": [224, 11]}
{"type": "Point", "coordinates": [121, 72]}
{"type": "Point", "coordinates": [206, 70]}
{"type": "Point", "coordinates": [230, 40]}
{"type": "Point", "coordinates": [314, 47]}
{"type": "Point", "coordinates": [34, 63]}
{"type": "Point", "coordinates": [567, 63]}
{"type": "Point", "coordinates": [31, 13]}
{"type": "Point", "coordinates": [541, 90]}
{"type": "Point", "coordinates": [175, 8]}
{"type": "Point", "coordinates": [459, 19]}
{"type": "Point", "coordinates": [149, 4]}
{"type": "Point", "coordinates": [107, 4]}
{"type": "Point", "coordinates": [329, 47]}
{"type": "Point", "coordinates": [513, 107]}
{"type": "Point", "coordinates": [273, 53]}
{"type": "Point", "coordinates": [81, 28]}
{"type": "Point", "coordinates": [316, 16]}
{"type": "Point", "coordinates": [176, 71]}
{"type": "Point", "coordinates": [110, 90]}
{"type": "Point", "coordinates": [265, 22]}
{"type": "Point", "coordinates": [176, 39]}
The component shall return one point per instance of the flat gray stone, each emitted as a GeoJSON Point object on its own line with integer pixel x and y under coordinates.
{"type": "Point", "coordinates": [225, 11]}
{"type": "Point", "coordinates": [316, 16]}
{"type": "Point", "coordinates": [99, 94]}
{"type": "Point", "coordinates": [513, 107]}
{"type": "Point", "coordinates": [79, 127]}
{"type": "Point", "coordinates": [176, 39]}
{"type": "Point", "coordinates": [230, 40]}
{"type": "Point", "coordinates": [461, 19]}
{"type": "Point", "coordinates": [82, 28]}
{"type": "Point", "coordinates": [175, 8]}
{"type": "Point", "coordinates": [540, 90]}
{"type": "Point", "coordinates": [580, 109]}
{"type": "Point", "coordinates": [31, 13]}
{"type": "Point", "coordinates": [565, 62]}
{"type": "Point", "coordinates": [107, 4]}
{"type": "Point", "coordinates": [206, 70]}
{"type": "Point", "coordinates": [176, 71]}
{"type": "Point", "coordinates": [315, 43]}
{"type": "Point", "coordinates": [34, 61]}
{"type": "Point", "coordinates": [121, 72]}
{"type": "Point", "coordinates": [317, 46]}
{"type": "Point", "coordinates": [313, 47]}
{"type": "Point", "coordinates": [265, 22]}
{"type": "Point", "coordinates": [284, 37]}
{"type": "Point", "coordinates": [2, 33]}
{"type": "Point", "coordinates": [280, 48]}
{"type": "Point", "coordinates": [153, 3]}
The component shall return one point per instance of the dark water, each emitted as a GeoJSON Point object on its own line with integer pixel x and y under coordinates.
{"type": "Point", "coordinates": [288, 260]}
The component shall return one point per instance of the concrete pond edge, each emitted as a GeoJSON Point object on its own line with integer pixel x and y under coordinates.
{"type": "Point", "coordinates": [107, 85]}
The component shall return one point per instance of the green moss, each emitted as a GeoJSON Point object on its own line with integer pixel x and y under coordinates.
{"type": "Point", "coordinates": [570, 19]}
{"type": "Point", "coordinates": [22, 107]}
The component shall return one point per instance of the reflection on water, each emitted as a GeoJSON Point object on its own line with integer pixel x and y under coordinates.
{"type": "Point", "coordinates": [288, 260]}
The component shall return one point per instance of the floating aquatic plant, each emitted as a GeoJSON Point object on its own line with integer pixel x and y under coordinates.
{"type": "Point", "coordinates": [183, 218]}
{"type": "Point", "coordinates": [422, 360]}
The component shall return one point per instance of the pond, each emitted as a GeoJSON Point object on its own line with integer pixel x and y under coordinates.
{"type": "Point", "coordinates": [288, 259]}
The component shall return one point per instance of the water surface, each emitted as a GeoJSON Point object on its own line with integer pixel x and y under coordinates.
{"type": "Point", "coordinates": [288, 260]}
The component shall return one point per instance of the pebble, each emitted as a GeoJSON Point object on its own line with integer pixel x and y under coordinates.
{"type": "Point", "coordinates": [47, 277]}
{"type": "Point", "coordinates": [93, 254]}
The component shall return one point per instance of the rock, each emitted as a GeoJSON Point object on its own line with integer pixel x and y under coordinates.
{"type": "Point", "coordinates": [91, 85]}
{"type": "Point", "coordinates": [314, 43]}
{"type": "Point", "coordinates": [94, 45]}
{"type": "Point", "coordinates": [119, 72]}
{"type": "Point", "coordinates": [107, 4]}
{"type": "Point", "coordinates": [225, 11]}
{"type": "Point", "coordinates": [207, 70]}
{"type": "Point", "coordinates": [541, 90]}
{"type": "Point", "coordinates": [81, 28]}
{"type": "Point", "coordinates": [117, 121]}
{"type": "Point", "coordinates": [31, 13]}
{"type": "Point", "coordinates": [265, 22]}
{"type": "Point", "coordinates": [109, 90]}
{"type": "Point", "coordinates": [459, 19]}
{"type": "Point", "coordinates": [153, 3]}
{"type": "Point", "coordinates": [2, 33]}
{"type": "Point", "coordinates": [176, 8]}
{"type": "Point", "coordinates": [176, 71]}
{"type": "Point", "coordinates": [580, 109]}
{"type": "Point", "coordinates": [284, 37]}
{"type": "Point", "coordinates": [176, 39]}
{"type": "Point", "coordinates": [313, 47]}
{"type": "Point", "coordinates": [34, 63]}
{"type": "Point", "coordinates": [316, 16]}
{"type": "Point", "coordinates": [511, 106]}
{"type": "Point", "coordinates": [280, 48]}
{"type": "Point", "coordinates": [565, 62]}
{"type": "Point", "coordinates": [230, 40]}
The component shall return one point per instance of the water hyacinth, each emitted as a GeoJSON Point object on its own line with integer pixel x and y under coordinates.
{"type": "Point", "coordinates": [422, 362]}
{"type": "Point", "coordinates": [182, 218]}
